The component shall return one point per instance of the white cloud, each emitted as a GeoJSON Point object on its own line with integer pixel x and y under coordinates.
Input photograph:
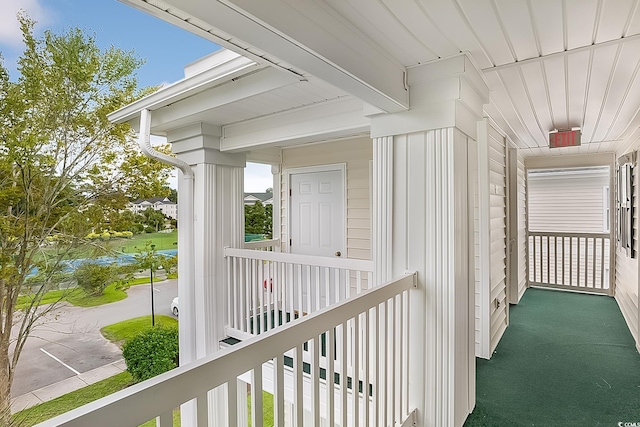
{"type": "Point", "coordinates": [10, 33]}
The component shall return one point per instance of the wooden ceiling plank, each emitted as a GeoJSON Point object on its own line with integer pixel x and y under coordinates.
{"type": "Point", "coordinates": [547, 15]}
{"type": "Point", "coordinates": [580, 19]}
{"type": "Point", "coordinates": [413, 16]}
{"type": "Point", "coordinates": [614, 20]}
{"type": "Point", "coordinates": [518, 27]}
{"type": "Point", "coordinates": [484, 23]}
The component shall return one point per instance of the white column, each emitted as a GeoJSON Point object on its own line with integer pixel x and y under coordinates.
{"type": "Point", "coordinates": [382, 215]}
{"type": "Point", "coordinates": [429, 155]}
{"type": "Point", "coordinates": [277, 196]}
{"type": "Point", "coordinates": [218, 222]}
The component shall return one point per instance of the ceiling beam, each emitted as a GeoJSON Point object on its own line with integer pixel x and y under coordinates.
{"type": "Point", "coordinates": [308, 37]}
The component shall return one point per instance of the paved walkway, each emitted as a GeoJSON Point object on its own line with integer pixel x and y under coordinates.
{"type": "Point", "coordinates": [63, 387]}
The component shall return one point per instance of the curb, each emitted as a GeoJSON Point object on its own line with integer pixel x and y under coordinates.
{"type": "Point", "coordinates": [68, 385]}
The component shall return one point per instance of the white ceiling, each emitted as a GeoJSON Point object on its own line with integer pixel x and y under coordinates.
{"type": "Point", "coordinates": [550, 64]}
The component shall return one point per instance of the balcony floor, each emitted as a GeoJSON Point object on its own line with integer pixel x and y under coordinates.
{"type": "Point", "coordinates": [566, 359]}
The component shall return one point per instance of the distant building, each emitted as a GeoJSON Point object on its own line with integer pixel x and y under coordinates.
{"type": "Point", "coordinates": [163, 204]}
{"type": "Point", "coordinates": [264, 198]}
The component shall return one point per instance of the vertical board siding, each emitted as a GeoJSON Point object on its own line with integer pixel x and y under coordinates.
{"type": "Point", "coordinates": [498, 233]}
{"type": "Point", "coordinates": [626, 290]}
{"type": "Point", "coordinates": [357, 154]}
{"type": "Point", "coordinates": [522, 227]}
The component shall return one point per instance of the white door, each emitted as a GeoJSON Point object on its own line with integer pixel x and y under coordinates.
{"type": "Point", "coordinates": [317, 213]}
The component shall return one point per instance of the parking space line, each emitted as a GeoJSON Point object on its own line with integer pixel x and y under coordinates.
{"type": "Point", "coordinates": [59, 361]}
{"type": "Point", "coordinates": [156, 289]}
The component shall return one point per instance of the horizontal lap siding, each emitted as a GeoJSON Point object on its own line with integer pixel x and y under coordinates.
{"type": "Point", "coordinates": [522, 227]}
{"type": "Point", "coordinates": [357, 154]}
{"type": "Point", "coordinates": [626, 291]}
{"type": "Point", "coordinates": [498, 233]}
{"type": "Point", "coordinates": [567, 203]}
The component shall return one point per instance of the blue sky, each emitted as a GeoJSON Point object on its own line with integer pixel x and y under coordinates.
{"type": "Point", "coordinates": [166, 48]}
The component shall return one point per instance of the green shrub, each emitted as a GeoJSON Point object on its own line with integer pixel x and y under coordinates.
{"type": "Point", "coordinates": [151, 352]}
{"type": "Point", "coordinates": [93, 278]}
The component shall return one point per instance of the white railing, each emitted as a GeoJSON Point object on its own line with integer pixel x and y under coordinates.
{"type": "Point", "coordinates": [271, 245]}
{"type": "Point", "coordinates": [359, 380]}
{"type": "Point", "coordinates": [577, 261]}
{"type": "Point", "coordinates": [269, 289]}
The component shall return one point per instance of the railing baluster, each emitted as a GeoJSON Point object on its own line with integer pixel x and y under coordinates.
{"type": "Point", "coordinates": [593, 279]}
{"type": "Point", "coordinates": [298, 386]}
{"type": "Point", "coordinates": [331, 352]}
{"type": "Point", "coordinates": [327, 285]}
{"type": "Point", "coordinates": [247, 295]}
{"type": "Point", "coordinates": [365, 367]}
{"type": "Point", "coordinates": [535, 258]}
{"type": "Point", "coordinates": [555, 259]}
{"type": "Point", "coordinates": [309, 288]}
{"type": "Point", "coordinates": [391, 344]}
{"type": "Point", "coordinates": [602, 264]}
{"type": "Point", "coordinates": [278, 397]}
{"type": "Point", "coordinates": [270, 307]}
{"type": "Point", "coordinates": [579, 260]}
{"type": "Point", "coordinates": [231, 294]}
{"type": "Point", "coordinates": [343, 373]}
{"type": "Point", "coordinates": [300, 287]}
{"type": "Point", "coordinates": [548, 259]}
{"type": "Point", "coordinates": [355, 376]}
{"type": "Point", "coordinates": [383, 378]}
{"type": "Point", "coordinates": [257, 409]}
{"type": "Point", "coordinates": [261, 294]}
{"type": "Point", "coordinates": [315, 379]}
{"type": "Point", "coordinates": [318, 287]}
{"type": "Point", "coordinates": [405, 358]}
{"type": "Point", "coordinates": [359, 282]}
{"type": "Point", "coordinates": [563, 260]}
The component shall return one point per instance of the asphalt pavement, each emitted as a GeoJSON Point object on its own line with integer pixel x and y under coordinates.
{"type": "Point", "coordinates": [67, 343]}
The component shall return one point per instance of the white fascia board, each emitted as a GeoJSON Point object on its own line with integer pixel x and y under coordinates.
{"type": "Point", "coordinates": [246, 86]}
{"type": "Point", "coordinates": [319, 122]}
{"type": "Point", "coordinates": [315, 41]}
{"type": "Point", "coordinates": [186, 87]}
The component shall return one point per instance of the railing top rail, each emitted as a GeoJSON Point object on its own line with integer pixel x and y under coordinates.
{"type": "Point", "coordinates": [256, 244]}
{"type": "Point", "coordinates": [345, 263]}
{"type": "Point", "coordinates": [554, 234]}
{"type": "Point", "coordinates": [153, 396]}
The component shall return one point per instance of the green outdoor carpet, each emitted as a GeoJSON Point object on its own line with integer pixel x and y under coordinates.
{"type": "Point", "coordinates": [566, 359]}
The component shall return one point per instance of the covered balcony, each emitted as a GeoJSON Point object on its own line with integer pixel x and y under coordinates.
{"type": "Point", "coordinates": [402, 140]}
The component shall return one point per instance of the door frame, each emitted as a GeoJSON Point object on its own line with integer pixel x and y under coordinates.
{"type": "Point", "coordinates": [333, 167]}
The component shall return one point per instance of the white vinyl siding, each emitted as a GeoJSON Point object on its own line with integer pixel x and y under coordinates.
{"type": "Point", "coordinates": [490, 241]}
{"type": "Point", "coordinates": [498, 191]}
{"type": "Point", "coordinates": [567, 202]}
{"type": "Point", "coordinates": [627, 270]}
{"type": "Point", "coordinates": [357, 155]}
{"type": "Point", "coordinates": [522, 228]}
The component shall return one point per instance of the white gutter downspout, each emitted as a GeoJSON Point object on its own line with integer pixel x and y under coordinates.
{"type": "Point", "coordinates": [186, 266]}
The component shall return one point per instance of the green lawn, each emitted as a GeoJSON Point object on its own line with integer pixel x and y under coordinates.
{"type": "Point", "coordinates": [75, 399]}
{"type": "Point", "coordinates": [122, 331]}
{"type": "Point", "coordinates": [77, 297]}
{"type": "Point", "coordinates": [138, 242]}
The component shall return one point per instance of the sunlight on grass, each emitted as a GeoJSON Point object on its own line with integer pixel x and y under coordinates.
{"type": "Point", "coordinates": [111, 294]}
{"type": "Point", "coordinates": [122, 331]}
{"type": "Point", "coordinates": [75, 399]}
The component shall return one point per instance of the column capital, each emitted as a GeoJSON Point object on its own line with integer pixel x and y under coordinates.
{"type": "Point", "coordinates": [200, 143]}
{"type": "Point", "coordinates": [445, 93]}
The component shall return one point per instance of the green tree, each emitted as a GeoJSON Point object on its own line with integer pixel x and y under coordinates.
{"type": "Point", "coordinates": [153, 219]}
{"type": "Point", "coordinates": [93, 278]}
{"type": "Point", "coordinates": [254, 218]}
{"type": "Point", "coordinates": [268, 221]}
{"type": "Point", "coordinates": [63, 168]}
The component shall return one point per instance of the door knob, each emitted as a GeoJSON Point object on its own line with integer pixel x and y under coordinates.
{"type": "Point", "coordinates": [338, 253]}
